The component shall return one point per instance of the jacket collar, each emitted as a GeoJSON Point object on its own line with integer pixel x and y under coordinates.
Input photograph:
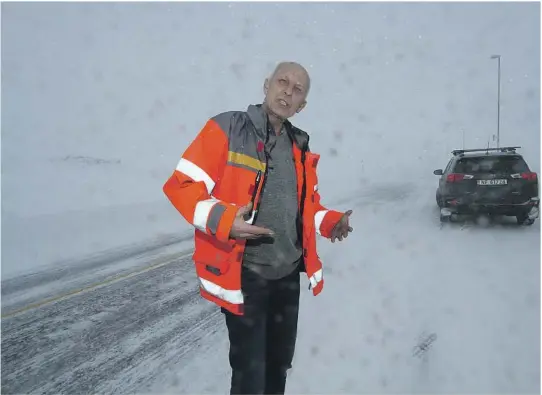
{"type": "Point", "coordinates": [260, 120]}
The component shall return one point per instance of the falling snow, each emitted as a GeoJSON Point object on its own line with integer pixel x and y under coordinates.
{"type": "Point", "coordinates": [402, 310]}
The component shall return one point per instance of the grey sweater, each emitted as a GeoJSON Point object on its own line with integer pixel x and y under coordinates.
{"type": "Point", "coordinates": [277, 257]}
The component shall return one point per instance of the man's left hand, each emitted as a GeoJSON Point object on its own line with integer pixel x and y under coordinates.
{"type": "Point", "coordinates": [342, 228]}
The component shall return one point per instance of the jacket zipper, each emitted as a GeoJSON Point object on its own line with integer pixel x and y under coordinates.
{"type": "Point", "coordinates": [304, 185]}
{"type": "Point", "coordinates": [252, 215]}
{"type": "Point", "coordinates": [258, 177]}
{"type": "Point", "coordinates": [303, 197]}
{"type": "Point", "coordinates": [257, 184]}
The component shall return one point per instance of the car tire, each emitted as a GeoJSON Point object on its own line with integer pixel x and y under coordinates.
{"type": "Point", "coordinates": [440, 203]}
{"type": "Point", "coordinates": [528, 222]}
{"type": "Point", "coordinates": [523, 219]}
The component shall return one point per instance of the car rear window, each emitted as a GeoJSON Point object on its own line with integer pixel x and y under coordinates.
{"type": "Point", "coordinates": [491, 164]}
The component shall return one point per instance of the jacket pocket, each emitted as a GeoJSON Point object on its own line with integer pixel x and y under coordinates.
{"type": "Point", "coordinates": [214, 256]}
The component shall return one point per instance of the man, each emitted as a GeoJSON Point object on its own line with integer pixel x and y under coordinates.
{"type": "Point", "coordinates": [248, 184]}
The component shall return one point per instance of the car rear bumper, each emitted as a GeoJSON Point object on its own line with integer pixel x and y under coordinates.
{"type": "Point", "coordinates": [529, 207]}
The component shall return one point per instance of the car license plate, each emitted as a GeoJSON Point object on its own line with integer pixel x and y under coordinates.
{"type": "Point", "coordinates": [492, 182]}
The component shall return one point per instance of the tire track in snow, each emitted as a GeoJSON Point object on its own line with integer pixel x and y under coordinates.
{"type": "Point", "coordinates": [66, 270]}
{"type": "Point", "coordinates": [19, 292]}
{"type": "Point", "coordinates": [104, 338]}
{"type": "Point", "coordinates": [188, 339]}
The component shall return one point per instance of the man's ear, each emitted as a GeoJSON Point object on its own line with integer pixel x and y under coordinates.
{"type": "Point", "coordinates": [301, 107]}
{"type": "Point", "coordinates": [266, 86]}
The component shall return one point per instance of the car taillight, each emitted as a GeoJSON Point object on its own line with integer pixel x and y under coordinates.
{"type": "Point", "coordinates": [529, 176]}
{"type": "Point", "coordinates": [456, 177]}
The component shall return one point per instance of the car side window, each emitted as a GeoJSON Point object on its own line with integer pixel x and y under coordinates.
{"type": "Point", "coordinates": [449, 166]}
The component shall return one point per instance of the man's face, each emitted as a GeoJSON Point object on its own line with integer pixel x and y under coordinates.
{"type": "Point", "coordinates": [286, 91]}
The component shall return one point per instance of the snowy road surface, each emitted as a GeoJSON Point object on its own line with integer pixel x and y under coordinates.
{"type": "Point", "coordinates": [400, 279]}
{"type": "Point", "coordinates": [107, 337]}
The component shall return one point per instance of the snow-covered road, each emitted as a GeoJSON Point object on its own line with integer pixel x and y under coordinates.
{"type": "Point", "coordinates": [399, 278]}
{"type": "Point", "coordinates": [110, 333]}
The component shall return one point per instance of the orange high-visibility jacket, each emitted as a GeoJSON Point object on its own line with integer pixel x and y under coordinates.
{"type": "Point", "coordinates": [225, 168]}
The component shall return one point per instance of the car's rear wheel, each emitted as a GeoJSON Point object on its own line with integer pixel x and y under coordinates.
{"type": "Point", "coordinates": [440, 202]}
{"type": "Point", "coordinates": [523, 219]}
{"type": "Point", "coordinates": [449, 218]}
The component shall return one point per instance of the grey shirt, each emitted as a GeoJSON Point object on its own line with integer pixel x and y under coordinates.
{"type": "Point", "coordinates": [277, 257]}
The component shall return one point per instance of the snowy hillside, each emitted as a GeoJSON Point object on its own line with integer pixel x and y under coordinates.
{"type": "Point", "coordinates": [99, 101]}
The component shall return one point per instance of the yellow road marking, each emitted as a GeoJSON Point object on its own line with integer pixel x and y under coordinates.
{"type": "Point", "coordinates": [100, 284]}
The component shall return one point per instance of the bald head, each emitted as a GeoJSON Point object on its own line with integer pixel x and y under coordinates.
{"type": "Point", "coordinates": [286, 89]}
{"type": "Point", "coordinates": [294, 66]}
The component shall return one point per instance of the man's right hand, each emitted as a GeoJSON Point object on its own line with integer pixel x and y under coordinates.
{"type": "Point", "coordinates": [241, 230]}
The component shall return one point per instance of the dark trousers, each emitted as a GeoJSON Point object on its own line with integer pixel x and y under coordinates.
{"type": "Point", "coordinates": [262, 341]}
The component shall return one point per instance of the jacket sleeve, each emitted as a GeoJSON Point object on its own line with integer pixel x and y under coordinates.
{"type": "Point", "coordinates": [324, 219]}
{"type": "Point", "coordinates": [191, 185]}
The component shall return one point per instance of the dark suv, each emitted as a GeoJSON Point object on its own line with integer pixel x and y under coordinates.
{"type": "Point", "coordinates": [491, 181]}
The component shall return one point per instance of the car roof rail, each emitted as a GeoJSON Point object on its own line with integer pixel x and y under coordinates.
{"type": "Point", "coordinates": [456, 152]}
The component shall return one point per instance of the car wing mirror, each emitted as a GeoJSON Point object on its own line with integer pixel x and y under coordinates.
{"type": "Point", "coordinates": [438, 172]}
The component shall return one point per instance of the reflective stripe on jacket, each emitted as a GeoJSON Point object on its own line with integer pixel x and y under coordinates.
{"type": "Point", "coordinates": [223, 169]}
